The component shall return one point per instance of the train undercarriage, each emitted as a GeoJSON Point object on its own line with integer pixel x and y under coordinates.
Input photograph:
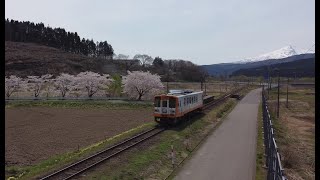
{"type": "Point", "coordinates": [176, 120]}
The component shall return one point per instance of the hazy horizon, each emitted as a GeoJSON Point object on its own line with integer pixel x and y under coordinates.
{"type": "Point", "coordinates": [204, 32]}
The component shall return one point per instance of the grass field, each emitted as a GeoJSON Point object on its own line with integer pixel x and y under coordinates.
{"type": "Point", "coordinates": [110, 104]}
{"type": "Point", "coordinates": [260, 159]}
{"type": "Point", "coordinates": [295, 131]}
{"type": "Point", "coordinates": [212, 88]}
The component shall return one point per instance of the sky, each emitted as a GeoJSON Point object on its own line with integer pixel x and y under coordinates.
{"type": "Point", "coordinates": [202, 31]}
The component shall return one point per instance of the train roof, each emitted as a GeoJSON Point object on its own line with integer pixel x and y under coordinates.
{"type": "Point", "coordinates": [179, 93]}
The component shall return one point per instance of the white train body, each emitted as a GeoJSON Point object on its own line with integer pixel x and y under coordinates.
{"type": "Point", "coordinates": [175, 105]}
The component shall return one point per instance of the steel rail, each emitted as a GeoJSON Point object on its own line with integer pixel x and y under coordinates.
{"type": "Point", "coordinates": [66, 174]}
{"type": "Point", "coordinates": [221, 99]}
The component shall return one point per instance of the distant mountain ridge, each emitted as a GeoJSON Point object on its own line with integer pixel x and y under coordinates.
{"type": "Point", "coordinates": [281, 53]}
{"type": "Point", "coordinates": [298, 68]}
{"type": "Point", "coordinates": [229, 68]}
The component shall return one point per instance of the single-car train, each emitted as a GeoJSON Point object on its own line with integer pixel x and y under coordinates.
{"type": "Point", "coordinates": [172, 107]}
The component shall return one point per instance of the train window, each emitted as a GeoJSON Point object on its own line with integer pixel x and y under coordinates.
{"type": "Point", "coordinates": [157, 102]}
{"type": "Point", "coordinates": [184, 102]}
{"type": "Point", "coordinates": [164, 103]}
{"type": "Point", "coordinates": [172, 103]}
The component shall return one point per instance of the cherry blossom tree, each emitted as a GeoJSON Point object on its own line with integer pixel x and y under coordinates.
{"type": "Point", "coordinates": [64, 82]}
{"type": "Point", "coordinates": [92, 82]}
{"type": "Point", "coordinates": [34, 85]}
{"type": "Point", "coordinates": [48, 83]}
{"type": "Point", "coordinates": [12, 84]}
{"type": "Point", "coordinates": [138, 83]}
{"type": "Point", "coordinates": [37, 83]}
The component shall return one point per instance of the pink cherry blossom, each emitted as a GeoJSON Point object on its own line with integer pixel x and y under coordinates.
{"type": "Point", "coordinates": [138, 83]}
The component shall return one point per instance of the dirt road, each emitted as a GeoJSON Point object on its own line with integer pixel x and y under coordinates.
{"type": "Point", "coordinates": [230, 152]}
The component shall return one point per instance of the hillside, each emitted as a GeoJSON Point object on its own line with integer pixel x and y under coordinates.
{"type": "Point", "coordinates": [25, 59]}
{"type": "Point", "coordinates": [299, 68]}
{"type": "Point", "coordinates": [229, 68]}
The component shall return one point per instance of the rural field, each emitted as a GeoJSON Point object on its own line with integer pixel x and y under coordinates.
{"type": "Point", "coordinates": [37, 131]}
{"type": "Point", "coordinates": [35, 134]}
{"type": "Point", "coordinates": [295, 130]}
{"type": "Point", "coordinates": [211, 88]}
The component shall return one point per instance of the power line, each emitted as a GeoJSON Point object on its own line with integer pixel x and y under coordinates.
{"type": "Point", "coordinates": [309, 48]}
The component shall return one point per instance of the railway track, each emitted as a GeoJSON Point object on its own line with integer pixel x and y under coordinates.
{"type": "Point", "coordinates": [83, 165]}
{"type": "Point", "coordinates": [221, 99]}
{"type": "Point", "coordinates": [79, 167]}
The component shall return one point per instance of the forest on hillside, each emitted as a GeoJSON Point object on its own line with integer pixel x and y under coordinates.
{"type": "Point", "coordinates": [26, 31]}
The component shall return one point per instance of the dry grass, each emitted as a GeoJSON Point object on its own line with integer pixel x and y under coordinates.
{"type": "Point", "coordinates": [295, 131]}
{"type": "Point", "coordinates": [215, 89]}
{"type": "Point", "coordinates": [25, 59]}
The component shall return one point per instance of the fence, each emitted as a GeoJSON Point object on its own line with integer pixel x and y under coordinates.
{"type": "Point", "coordinates": [273, 158]}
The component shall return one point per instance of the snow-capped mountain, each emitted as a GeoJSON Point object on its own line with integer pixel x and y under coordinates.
{"type": "Point", "coordinates": [286, 54]}
{"type": "Point", "coordinates": [283, 52]}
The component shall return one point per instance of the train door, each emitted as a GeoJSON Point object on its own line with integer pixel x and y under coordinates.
{"type": "Point", "coordinates": [164, 106]}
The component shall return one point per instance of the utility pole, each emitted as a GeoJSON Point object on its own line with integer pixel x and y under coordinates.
{"type": "Point", "coordinates": [205, 89]}
{"type": "Point", "coordinates": [278, 94]}
{"type": "Point", "coordinates": [168, 78]}
{"type": "Point", "coordinates": [270, 82]}
{"type": "Point", "coordinates": [201, 83]}
{"type": "Point", "coordinates": [287, 92]}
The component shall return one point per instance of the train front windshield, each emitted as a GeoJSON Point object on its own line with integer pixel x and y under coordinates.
{"type": "Point", "coordinates": [157, 102]}
{"type": "Point", "coordinates": [172, 103]}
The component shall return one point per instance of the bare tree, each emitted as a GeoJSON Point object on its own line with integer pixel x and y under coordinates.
{"type": "Point", "coordinates": [121, 56]}
{"type": "Point", "coordinates": [145, 59]}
